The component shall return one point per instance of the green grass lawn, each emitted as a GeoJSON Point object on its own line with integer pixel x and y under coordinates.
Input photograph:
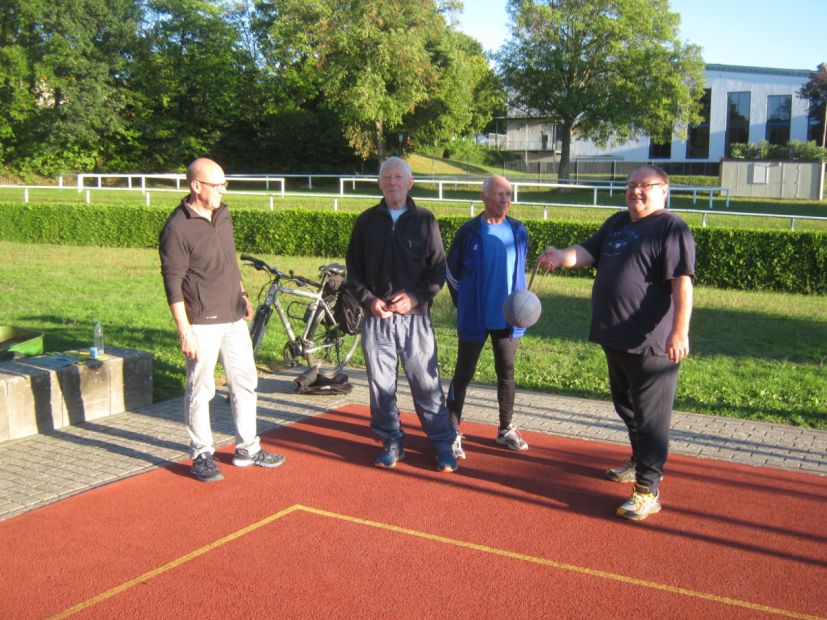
{"type": "Point", "coordinates": [755, 355]}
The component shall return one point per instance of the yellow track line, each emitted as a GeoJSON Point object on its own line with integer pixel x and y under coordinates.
{"type": "Point", "coordinates": [175, 563]}
{"type": "Point", "coordinates": [572, 568]}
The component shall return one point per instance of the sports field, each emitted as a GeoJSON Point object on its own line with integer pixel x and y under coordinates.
{"type": "Point", "coordinates": [523, 535]}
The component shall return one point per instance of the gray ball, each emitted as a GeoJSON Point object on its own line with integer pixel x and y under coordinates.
{"type": "Point", "coordinates": [522, 308]}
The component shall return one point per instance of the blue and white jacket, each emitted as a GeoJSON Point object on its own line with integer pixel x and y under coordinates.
{"type": "Point", "coordinates": [465, 278]}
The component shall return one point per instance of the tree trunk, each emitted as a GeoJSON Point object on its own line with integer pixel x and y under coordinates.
{"type": "Point", "coordinates": [380, 141]}
{"type": "Point", "coordinates": [565, 153]}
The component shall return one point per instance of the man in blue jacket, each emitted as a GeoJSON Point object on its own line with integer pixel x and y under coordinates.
{"type": "Point", "coordinates": [396, 266]}
{"type": "Point", "coordinates": [486, 263]}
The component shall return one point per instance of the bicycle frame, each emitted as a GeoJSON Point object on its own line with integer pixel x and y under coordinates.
{"type": "Point", "coordinates": [312, 317]}
{"type": "Point", "coordinates": [320, 338]}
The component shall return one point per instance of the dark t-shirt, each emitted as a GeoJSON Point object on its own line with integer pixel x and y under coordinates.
{"type": "Point", "coordinates": [632, 306]}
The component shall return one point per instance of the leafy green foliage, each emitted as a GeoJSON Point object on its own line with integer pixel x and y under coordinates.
{"type": "Point", "coordinates": [794, 150]}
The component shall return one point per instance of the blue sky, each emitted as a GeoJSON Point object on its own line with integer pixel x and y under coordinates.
{"type": "Point", "coordinates": [757, 33]}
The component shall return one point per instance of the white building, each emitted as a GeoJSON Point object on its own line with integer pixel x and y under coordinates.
{"type": "Point", "coordinates": [741, 104]}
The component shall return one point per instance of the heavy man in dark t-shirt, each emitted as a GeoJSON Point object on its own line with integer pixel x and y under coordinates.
{"type": "Point", "coordinates": [641, 305]}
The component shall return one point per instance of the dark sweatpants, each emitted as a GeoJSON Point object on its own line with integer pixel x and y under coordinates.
{"type": "Point", "coordinates": [468, 354]}
{"type": "Point", "coordinates": [643, 391]}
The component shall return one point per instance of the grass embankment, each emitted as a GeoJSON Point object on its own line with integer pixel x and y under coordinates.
{"type": "Point", "coordinates": [755, 355]}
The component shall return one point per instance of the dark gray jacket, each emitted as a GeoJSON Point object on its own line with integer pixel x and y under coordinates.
{"type": "Point", "coordinates": [199, 265]}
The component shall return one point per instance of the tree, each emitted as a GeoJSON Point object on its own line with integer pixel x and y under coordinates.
{"type": "Point", "coordinates": [62, 68]}
{"type": "Point", "coordinates": [603, 69]}
{"type": "Point", "coordinates": [193, 80]}
{"type": "Point", "coordinates": [815, 89]}
{"type": "Point", "coordinates": [368, 59]}
{"type": "Point", "coordinates": [465, 95]}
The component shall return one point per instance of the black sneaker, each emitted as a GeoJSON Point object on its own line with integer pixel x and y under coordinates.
{"type": "Point", "coordinates": [203, 467]}
{"type": "Point", "coordinates": [242, 458]}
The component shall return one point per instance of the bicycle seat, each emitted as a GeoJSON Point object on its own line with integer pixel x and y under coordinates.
{"type": "Point", "coordinates": [334, 269]}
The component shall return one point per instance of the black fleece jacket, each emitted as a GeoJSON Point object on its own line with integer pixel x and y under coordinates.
{"type": "Point", "coordinates": [384, 260]}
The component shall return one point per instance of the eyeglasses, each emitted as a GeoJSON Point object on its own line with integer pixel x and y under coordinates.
{"type": "Point", "coordinates": [630, 187]}
{"type": "Point", "coordinates": [215, 185]}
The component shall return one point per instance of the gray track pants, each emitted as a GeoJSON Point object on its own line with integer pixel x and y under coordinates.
{"type": "Point", "coordinates": [411, 339]}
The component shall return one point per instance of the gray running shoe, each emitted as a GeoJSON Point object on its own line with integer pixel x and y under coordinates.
{"type": "Point", "coordinates": [203, 467]}
{"type": "Point", "coordinates": [511, 439]}
{"type": "Point", "coordinates": [262, 458]}
{"type": "Point", "coordinates": [623, 473]}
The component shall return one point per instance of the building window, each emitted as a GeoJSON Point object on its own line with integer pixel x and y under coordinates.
{"type": "Point", "coordinates": [660, 150]}
{"type": "Point", "coordinates": [815, 121]}
{"type": "Point", "coordinates": [779, 109]}
{"type": "Point", "coordinates": [737, 122]}
{"type": "Point", "coordinates": [697, 143]}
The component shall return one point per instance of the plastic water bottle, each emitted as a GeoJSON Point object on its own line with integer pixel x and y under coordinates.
{"type": "Point", "coordinates": [97, 341]}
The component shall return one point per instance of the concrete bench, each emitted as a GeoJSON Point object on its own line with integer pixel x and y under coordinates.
{"type": "Point", "coordinates": [43, 393]}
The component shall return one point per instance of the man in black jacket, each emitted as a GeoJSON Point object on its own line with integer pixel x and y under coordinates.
{"type": "Point", "coordinates": [396, 266]}
{"type": "Point", "coordinates": [209, 305]}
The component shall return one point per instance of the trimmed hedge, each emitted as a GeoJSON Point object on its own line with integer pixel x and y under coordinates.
{"type": "Point", "coordinates": [787, 261]}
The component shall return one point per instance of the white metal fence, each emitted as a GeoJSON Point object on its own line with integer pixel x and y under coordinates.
{"type": "Point", "coordinates": [276, 186]}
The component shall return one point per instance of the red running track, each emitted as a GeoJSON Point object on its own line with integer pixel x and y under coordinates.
{"type": "Point", "coordinates": [528, 535]}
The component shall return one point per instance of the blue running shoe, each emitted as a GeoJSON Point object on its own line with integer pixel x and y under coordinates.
{"type": "Point", "coordinates": [392, 453]}
{"type": "Point", "coordinates": [445, 460]}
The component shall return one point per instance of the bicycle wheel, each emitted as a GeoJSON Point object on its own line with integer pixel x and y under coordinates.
{"type": "Point", "coordinates": [329, 344]}
{"type": "Point", "coordinates": [259, 326]}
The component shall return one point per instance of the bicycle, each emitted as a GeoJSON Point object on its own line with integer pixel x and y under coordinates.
{"type": "Point", "coordinates": [321, 338]}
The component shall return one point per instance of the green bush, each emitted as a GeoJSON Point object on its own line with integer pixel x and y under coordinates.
{"type": "Point", "coordinates": [793, 151]}
{"type": "Point", "coordinates": [786, 261]}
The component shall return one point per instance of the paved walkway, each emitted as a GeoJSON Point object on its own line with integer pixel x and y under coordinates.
{"type": "Point", "coordinates": [45, 468]}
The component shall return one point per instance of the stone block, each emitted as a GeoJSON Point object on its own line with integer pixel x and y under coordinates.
{"type": "Point", "coordinates": [38, 395]}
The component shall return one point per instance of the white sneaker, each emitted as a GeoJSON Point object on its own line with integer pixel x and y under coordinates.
{"type": "Point", "coordinates": [642, 504]}
{"type": "Point", "coordinates": [511, 438]}
{"type": "Point", "coordinates": [456, 447]}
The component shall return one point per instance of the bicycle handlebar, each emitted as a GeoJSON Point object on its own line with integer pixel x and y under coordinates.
{"type": "Point", "coordinates": [260, 265]}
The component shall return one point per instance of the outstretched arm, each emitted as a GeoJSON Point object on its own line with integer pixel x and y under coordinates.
{"type": "Point", "coordinates": [677, 346]}
{"type": "Point", "coordinates": [569, 258]}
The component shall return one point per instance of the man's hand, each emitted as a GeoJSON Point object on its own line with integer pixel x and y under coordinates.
{"type": "Point", "coordinates": [250, 312]}
{"type": "Point", "coordinates": [189, 344]}
{"type": "Point", "coordinates": [380, 309]}
{"type": "Point", "coordinates": [401, 303]}
{"type": "Point", "coordinates": [677, 346]}
{"type": "Point", "coordinates": [551, 258]}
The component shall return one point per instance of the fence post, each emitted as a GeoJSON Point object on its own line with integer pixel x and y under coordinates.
{"type": "Point", "coordinates": [335, 204]}
{"type": "Point", "coordinates": [147, 198]}
{"type": "Point", "coordinates": [545, 212]}
{"type": "Point", "coordinates": [271, 203]}
{"type": "Point", "coordinates": [25, 195]}
{"type": "Point", "coordinates": [88, 197]}
{"type": "Point", "coordinates": [704, 222]}
{"type": "Point", "coordinates": [471, 209]}
{"type": "Point", "coordinates": [792, 223]}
